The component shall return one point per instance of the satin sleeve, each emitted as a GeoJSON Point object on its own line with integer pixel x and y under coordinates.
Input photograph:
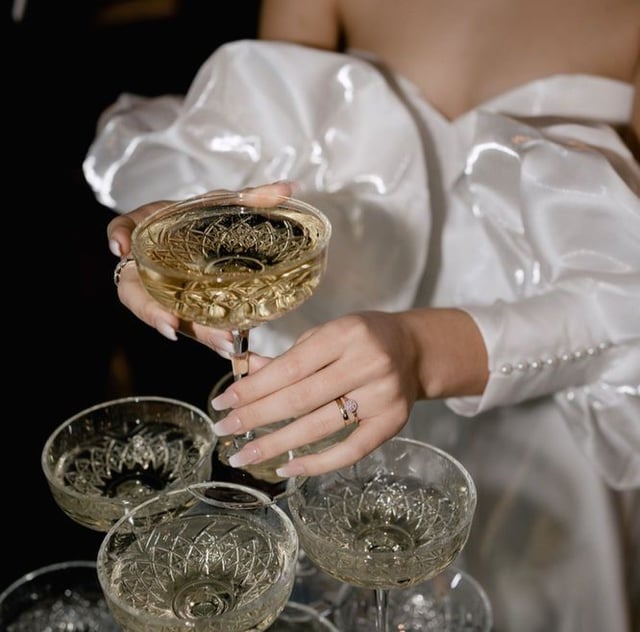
{"type": "Point", "coordinates": [561, 205]}
{"type": "Point", "coordinates": [259, 112]}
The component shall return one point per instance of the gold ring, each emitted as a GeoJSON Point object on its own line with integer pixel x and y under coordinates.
{"type": "Point", "coordinates": [348, 409]}
{"type": "Point", "coordinates": [120, 267]}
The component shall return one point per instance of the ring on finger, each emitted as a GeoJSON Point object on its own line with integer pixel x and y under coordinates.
{"type": "Point", "coordinates": [348, 409]}
{"type": "Point", "coordinates": [120, 267]}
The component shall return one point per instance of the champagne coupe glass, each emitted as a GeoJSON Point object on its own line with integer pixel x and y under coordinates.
{"type": "Point", "coordinates": [452, 601]}
{"type": "Point", "coordinates": [396, 518]}
{"type": "Point", "coordinates": [232, 260]}
{"type": "Point", "coordinates": [300, 617]}
{"type": "Point", "coordinates": [110, 457]}
{"type": "Point", "coordinates": [62, 596]}
{"type": "Point", "coordinates": [225, 563]}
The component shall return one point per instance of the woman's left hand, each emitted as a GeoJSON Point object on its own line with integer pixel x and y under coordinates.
{"type": "Point", "coordinates": [368, 357]}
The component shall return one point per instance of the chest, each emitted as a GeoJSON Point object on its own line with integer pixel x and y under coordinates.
{"type": "Point", "coordinates": [461, 53]}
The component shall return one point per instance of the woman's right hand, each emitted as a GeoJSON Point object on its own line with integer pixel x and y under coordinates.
{"type": "Point", "coordinates": [134, 296]}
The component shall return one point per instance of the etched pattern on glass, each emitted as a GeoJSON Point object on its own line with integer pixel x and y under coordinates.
{"type": "Point", "coordinates": [452, 601]}
{"type": "Point", "coordinates": [135, 463]}
{"type": "Point", "coordinates": [70, 612]}
{"type": "Point", "coordinates": [104, 468]}
{"type": "Point", "coordinates": [196, 567]}
{"type": "Point", "coordinates": [230, 268]}
{"type": "Point", "coordinates": [384, 532]}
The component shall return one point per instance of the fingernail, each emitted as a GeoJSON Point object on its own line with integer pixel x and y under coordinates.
{"type": "Point", "coordinates": [167, 330]}
{"type": "Point", "coordinates": [296, 187]}
{"type": "Point", "coordinates": [227, 426]}
{"type": "Point", "coordinates": [290, 469]}
{"type": "Point", "coordinates": [246, 456]}
{"type": "Point", "coordinates": [225, 348]}
{"type": "Point", "coordinates": [224, 400]}
{"type": "Point", "coordinates": [293, 185]}
{"type": "Point", "coordinates": [114, 247]}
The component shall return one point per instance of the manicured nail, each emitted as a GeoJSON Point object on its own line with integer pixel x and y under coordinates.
{"type": "Point", "coordinates": [114, 247]}
{"type": "Point", "coordinates": [227, 426]}
{"type": "Point", "coordinates": [224, 400]}
{"type": "Point", "coordinates": [290, 469]}
{"type": "Point", "coordinates": [167, 330]}
{"type": "Point", "coordinates": [246, 456]}
{"type": "Point", "coordinates": [225, 348]}
{"type": "Point", "coordinates": [296, 187]}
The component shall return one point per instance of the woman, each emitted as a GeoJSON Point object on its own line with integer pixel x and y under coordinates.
{"type": "Point", "coordinates": [477, 163]}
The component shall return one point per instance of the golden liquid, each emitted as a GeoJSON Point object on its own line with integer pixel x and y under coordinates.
{"type": "Point", "coordinates": [203, 572]}
{"type": "Point", "coordinates": [391, 533]}
{"type": "Point", "coordinates": [231, 267]}
{"type": "Point", "coordinates": [99, 479]}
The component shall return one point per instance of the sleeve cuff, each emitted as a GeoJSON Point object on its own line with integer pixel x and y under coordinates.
{"type": "Point", "coordinates": [532, 352]}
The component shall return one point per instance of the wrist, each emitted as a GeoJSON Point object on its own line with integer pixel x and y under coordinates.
{"type": "Point", "coordinates": [453, 359]}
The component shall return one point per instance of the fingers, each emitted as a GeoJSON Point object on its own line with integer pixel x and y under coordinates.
{"type": "Point", "coordinates": [344, 453]}
{"type": "Point", "coordinates": [120, 228]}
{"type": "Point", "coordinates": [328, 443]}
{"type": "Point", "coordinates": [266, 195]}
{"type": "Point", "coordinates": [296, 381]}
{"type": "Point", "coordinates": [132, 295]}
{"type": "Point", "coordinates": [131, 292]}
{"type": "Point", "coordinates": [367, 358]}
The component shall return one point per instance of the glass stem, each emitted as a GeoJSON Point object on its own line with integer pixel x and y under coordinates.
{"type": "Point", "coordinates": [240, 367]}
{"type": "Point", "coordinates": [382, 609]}
{"type": "Point", "coordinates": [240, 357]}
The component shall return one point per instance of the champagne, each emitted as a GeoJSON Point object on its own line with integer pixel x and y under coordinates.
{"type": "Point", "coordinates": [384, 532]}
{"type": "Point", "coordinates": [220, 572]}
{"type": "Point", "coordinates": [95, 481]}
{"type": "Point", "coordinates": [231, 267]}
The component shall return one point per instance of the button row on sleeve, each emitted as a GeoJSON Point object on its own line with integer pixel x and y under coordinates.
{"type": "Point", "coordinates": [553, 361]}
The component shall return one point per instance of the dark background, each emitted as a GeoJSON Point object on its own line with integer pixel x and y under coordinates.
{"type": "Point", "coordinates": [68, 342]}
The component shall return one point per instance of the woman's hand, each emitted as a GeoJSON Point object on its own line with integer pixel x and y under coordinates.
{"type": "Point", "coordinates": [133, 295]}
{"type": "Point", "coordinates": [382, 361]}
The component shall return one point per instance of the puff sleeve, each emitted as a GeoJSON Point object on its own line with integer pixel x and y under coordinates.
{"type": "Point", "coordinates": [259, 112]}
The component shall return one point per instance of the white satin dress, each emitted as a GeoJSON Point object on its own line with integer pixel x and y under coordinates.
{"type": "Point", "coordinates": [525, 212]}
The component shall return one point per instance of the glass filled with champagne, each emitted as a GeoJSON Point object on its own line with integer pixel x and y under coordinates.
{"type": "Point", "coordinates": [107, 458]}
{"type": "Point", "coordinates": [225, 563]}
{"type": "Point", "coordinates": [396, 518]}
{"type": "Point", "coordinates": [232, 261]}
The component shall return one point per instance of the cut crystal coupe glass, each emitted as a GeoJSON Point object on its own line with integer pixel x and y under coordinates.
{"type": "Point", "coordinates": [396, 518]}
{"type": "Point", "coordinates": [232, 261]}
{"type": "Point", "coordinates": [108, 458]}
{"type": "Point", "coordinates": [65, 596]}
{"type": "Point", "coordinates": [222, 563]}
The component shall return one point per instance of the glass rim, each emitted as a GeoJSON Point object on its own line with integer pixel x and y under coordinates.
{"type": "Point", "coordinates": [123, 502]}
{"type": "Point", "coordinates": [232, 198]}
{"type": "Point", "coordinates": [296, 483]}
{"type": "Point", "coordinates": [267, 505]}
{"type": "Point", "coordinates": [44, 570]}
{"type": "Point", "coordinates": [295, 607]}
{"type": "Point", "coordinates": [448, 573]}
